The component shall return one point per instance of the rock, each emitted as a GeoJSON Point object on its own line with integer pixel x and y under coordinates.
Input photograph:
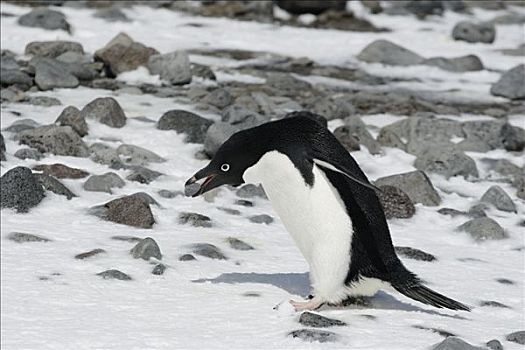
{"type": "Point", "coordinates": [505, 281]}
{"type": "Point", "coordinates": [261, 219]}
{"type": "Point", "coordinates": [344, 20]}
{"type": "Point", "coordinates": [49, 183]}
{"type": "Point", "coordinates": [159, 269]}
{"type": "Point", "coordinates": [194, 219]}
{"type": "Point", "coordinates": [114, 274]}
{"type": "Point", "coordinates": [146, 249]}
{"type": "Point", "coordinates": [446, 161]}
{"type": "Point", "coordinates": [415, 254]}
{"type": "Point", "coordinates": [209, 251]}
{"type": "Point", "coordinates": [455, 343]}
{"type": "Point", "coordinates": [423, 8]}
{"type": "Point", "coordinates": [395, 203]}
{"type": "Point", "coordinates": [170, 194]}
{"type": "Point", "coordinates": [474, 32]}
{"type": "Point", "coordinates": [173, 67]}
{"type": "Point", "coordinates": [242, 116]}
{"type": "Point", "coordinates": [229, 211]}
{"type": "Point", "coordinates": [483, 135]}
{"type": "Point", "coordinates": [2, 148]}
{"type": "Point", "coordinates": [104, 154]}
{"type": "Point", "coordinates": [130, 239]}
{"type": "Point", "coordinates": [344, 135]}
{"type": "Point", "coordinates": [491, 303]}
{"type": "Point", "coordinates": [50, 74]}
{"type": "Point", "coordinates": [511, 84]}
{"type": "Point", "coordinates": [310, 319]}
{"type": "Point", "coordinates": [147, 198]}
{"type": "Point", "coordinates": [135, 155]}
{"type": "Point", "coordinates": [21, 125]}
{"type": "Point", "coordinates": [191, 124]}
{"type": "Point", "coordinates": [71, 116]}
{"type": "Point", "coordinates": [20, 237]}
{"type": "Point", "coordinates": [496, 196]}
{"type": "Point", "coordinates": [20, 190]}
{"type": "Point", "coordinates": [519, 183]}
{"type": "Point", "coordinates": [10, 77]}
{"type": "Point", "coordinates": [89, 254]}
{"type": "Point", "coordinates": [143, 175]}
{"type": "Point", "coordinates": [45, 18]}
{"type": "Point", "coordinates": [44, 101]}
{"type": "Point", "coordinates": [216, 134]}
{"type": "Point", "coordinates": [452, 212]}
{"type": "Point", "coordinates": [111, 14]}
{"type": "Point", "coordinates": [477, 211]}
{"type": "Point", "coordinates": [358, 130]}
{"type": "Point", "coordinates": [469, 63]}
{"type": "Point", "coordinates": [106, 110]}
{"type": "Point", "coordinates": [250, 191]}
{"type": "Point", "coordinates": [129, 210]}
{"type": "Point", "coordinates": [28, 153]}
{"type": "Point", "coordinates": [287, 84]}
{"type": "Point", "coordinates": [103, 183]}
{"type": "Point", "coordinates": [219, 98]}
{"type": "Point", "coordinates": [415, 184]}
{"type": "Point", "coordinates": [186, 257]}
{"type": "Point", "coordinates": [494, 344]}
{"type": "Point", "coordinates": [53, 49]}
{"type": "Point", "coordinates": [503, 166]}
{"type": "Point", "coordinates": [439, 331]}
{"type": "Point", "coordinates": [516, 337]}
{"type": "Point", "coordinates": [76, 58]}
{"type": "Point", "coordinates": [314, 7]}
{"type": "Point", "coordinates": [312, 335]}
{"type": "Point", "coordinates": [122, 54]}
{"type": "Point", "coordinates": [244, 203]}
{"type": "Point", "coordinates": [8, 62]}
{"type": "Point", "coordinates": [237, 244]}
{"type": "Point", "coordinates": [482, 229]}
{"type": "Point", "coordinates": [386, 52]}
{"type": "Point", "coordinates": [59, 140]}
{"type": "Point", "coordinates": [202, 71]}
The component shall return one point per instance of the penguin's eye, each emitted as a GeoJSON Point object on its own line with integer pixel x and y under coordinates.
{"type": "Point", "coordinates": [225, 167]}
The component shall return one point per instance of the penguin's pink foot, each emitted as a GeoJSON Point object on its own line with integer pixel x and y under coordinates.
{"type": "Point", "coordinates": [311, 304]}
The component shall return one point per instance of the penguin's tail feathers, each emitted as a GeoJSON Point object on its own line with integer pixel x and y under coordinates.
{"type": "Point", "coordinates": [419, 292]}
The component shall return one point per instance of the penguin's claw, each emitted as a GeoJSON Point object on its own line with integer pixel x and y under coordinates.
{"type": "Point", "coordinates": [311, 304]}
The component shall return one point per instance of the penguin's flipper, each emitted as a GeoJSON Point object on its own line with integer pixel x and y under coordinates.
{"type": "Point", "coordinates": [341, 169]}
{"type": "Point", "coordinates": [427, 296]}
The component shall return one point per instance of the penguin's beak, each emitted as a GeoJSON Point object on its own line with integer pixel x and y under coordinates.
{"type": "Point", "coordinates": [201, 182]}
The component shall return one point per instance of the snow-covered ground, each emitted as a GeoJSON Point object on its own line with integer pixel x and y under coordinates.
{"type": "Point", "coordinates": [49, 300]}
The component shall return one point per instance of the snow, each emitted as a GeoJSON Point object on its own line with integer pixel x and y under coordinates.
{"type": "Point", "coordinates": [75, 309]}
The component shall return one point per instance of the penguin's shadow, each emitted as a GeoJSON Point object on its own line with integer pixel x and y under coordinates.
{"type": "Point", "coordinates": [299, 284]}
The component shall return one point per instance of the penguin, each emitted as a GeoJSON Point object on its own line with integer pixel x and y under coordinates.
{"type": "Point", "coordinates": [325, 202]}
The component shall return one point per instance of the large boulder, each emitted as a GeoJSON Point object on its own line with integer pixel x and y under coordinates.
{"type": "Point", "coordinates": [474, 32]}
{"type": "Point", "coordinates": [191, 124]}
{"type": "Point", "coordinates": [59, 140]}
{"type": "Point", "coordinates": [53, 49]}
{"type": "Point", "coordinates": [105, 110]}
{"type": "Point", "coordinates": [20, 190]}
{"type": "Point", "coordinates": [415, 184]}
{"type": "Point", "coordinates": [173, 67]}
{"type": "Point", "coordinates": [386, 52]}
{"type": "Point", "coordinates": [130, 210]}
{"type": "Point", "coordinates": [511, 84]}
{"type": "Point", "coordinates": [45, 18]}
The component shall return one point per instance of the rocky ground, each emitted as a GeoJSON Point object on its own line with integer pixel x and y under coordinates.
{"type": "Point", "coordinates": [108, 107]}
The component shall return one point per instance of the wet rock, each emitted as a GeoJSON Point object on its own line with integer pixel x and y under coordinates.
{"type": "Point", "coordinates": [483, 229]}
{"type": "Point", "coordinates": [216, 134]}
{"type": "Point", "coordinates": [312, 335]}
{"type": "Point", "coordinates": [415, 254]}
{"type": "Point", "coordinates": [170, 194]}
{"type": "Point", "coordinates": [395, 203]}
{"type": "Point", "coordinates": [358, 130]}
{"type": "Point", "coordinates": [104, 154]}
{"type": "Point", "coordinates": [191, 124]}
{"type": "Point", "coordinates": [310, 319]}
{"type": "Point", "coordinates": [219, 98]}
{"type": "Point", "coordinates": [314, 7]}
{"type": "Point", "coordinates": [344, 135]}
{"type": "Point", "coordinates": [511, 84]}
{"type": "Point", "coordinates": [261, 219]}
{"type": "Point", "coordinates": [53, 49]}
{"type": "Point", "coordinates": [469, 63]}
{"type": "Point", "coordinates": [106, 110]}
{"type": "Point", "coordinates": [194, 219]}
{"type": "Point", "coordinates": [186, 257]}
{"type": "Point", "coordinates": [494, 344]}
{"type": "Point", "coordinates": [491, 303]}
{"type": "Point", "coordinates": [455, 343]}
{"type": "Point", "coordinates": [242, 116]}
{"type": "Point", "coordinates": [44, 101]}
{"type": "Point", "coordinates": [49, 183]}
{"type": "Point", "coordinates": [59, 140]}
{"type": "Point", "coordinates": [103, 183]}
{"type": "Point", "coordinates": [89, 254]}
{"type": "Point", "coordinates": [50, 74]}
{"type": "Point", "coordinates": [45, 18]}
{"type": "Point", "coordinates": [250, 191]}
{"type": "Point", "coordinates": [111, 14]}
{"type": "Point", "coordinates": [146, 249]}
{"type": "Point", "coordinates": [516, 337]}
{"type": "Point", "coordinates": [21, 125]}
{"type": "Point", "coordinates": [496, 196]}
{"type": "Point", "coordinates": [2, 148]}
{"type": "Point", "coordinates": [386, 52]}
{"type": "Point", "coordinates": [474, 32]}
{"type": "Point", "coordinates": [173, 67]}
{"type": "Point", "coordinates": [143, 175]}
{"type": "Point", "coordinates": [159, 269]}
{"type": "Point", "coordinates": [114, 274]}
{"type": "Point", "coordinates": [20, 237]}
{"type": "Point", "coordinates": [415, 184]}
{"type": "Point", "coordinates": [129, 210]}
{"type": "Point", "coordinates": [20, 190]}
{"type": "Point", "coordinates": [237, 244]}
{"type": "Point", "coordinates": [209, 251]}
{"type": "Point", "coordinates": [446, 161]}
{"type": "Point", "coordinates": [28, 153]}
{"type": "Point", "coordinates": [71, 116]}
{"type": "Point", "coordinates": [10, 77]}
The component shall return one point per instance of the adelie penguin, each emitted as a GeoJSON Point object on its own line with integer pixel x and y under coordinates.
{"type": "Point", "coordinates": [326, 203]}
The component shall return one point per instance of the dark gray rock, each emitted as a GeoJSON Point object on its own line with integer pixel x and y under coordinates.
{"type": "Point", "coordinates": [28, 153]}
{"type": "Point", "coordinates": [496, 196]}
{"type": "Point", "coordinates": [53, 49]}
{"type": "Point", "coordinates": [131, 239]}
{"type": "Point", "coordinates": [59, 140]}
{"type": "Point", "coordinates": [21, 125]}
{"type": "Point", "coordinates": [415, 184]}
{"type": "Point", "coordinates": [20, 237]}
{"type": "Point", "coordinates": [143, 175]}
{"type": "Point", "coordinates": [216, 134]}
{"type": "Point", "coordinates": [415, 254]}
{"type": "Point", "coordinates": [483, 229]}
{"type": "Point", "coordinates": [9, 77]}
{"type": "Point", "coordinates": [237, 244]}
{"type": "Point", "coordinates": [170, 194]}
{"type": "Point", "coordinates": [310, 319]}
{"type": "Point", "coordinates": [452, 212]}
{"type": "Point", "coordinates": [313, 335]}
{"type": "Point", "coordinates": [358, 130]}
{"type": "Point", "coordinates": [50, 74]}
{"type": "Point", "coordinates": [332, 107]}
{"type": "Point", "coordinates": [395, 203]}
{"type": "Point", "coordinates": [229, 211]}
{"type": "Point", "coordinates": [477, 211]}
{"type": "Point", "coordinates": [202, 71]}
{"type": "Point", "coordinates": [71, 116]}
{"type": "Point", "coordinates": [516, 337]}
{"type": "Point", "coordinates": [135, 155]}
{"type": "Point", "coordinates": [186, 257]}
{"type": "Point", "coordinates": [173, 67]}
{"type": "Point", "coordinates": [244, 202]}
{"type": "Point", "coordinates": [2, 148]}
{"type": "Point", "coordinates": [8, 62]}
{"type": "Point", "coordinates": [106, 110]}
{"type": "Point", "coordinates": [505, 281]}
{"type": "Point", "coordinates": [44, 101]}
{"type": "Point", "coordinates": [455, 343]}
{"type": "Point", "coordinates": [519, 183]}
{"type": "Point", "coordinates": [104, 154]}
{"type": "Point", "coordinates": [159, 269]}
{"type": "Point", "coordinates": [191, 124]}
{"type": "Point", "coordinates": [114, 274]}
{"type": "Point", "coordinates": [103, 183]}
{"type": "Point", "coordinates": [111, 14]}
{"type": "Point", "coordinates": [20, 190]}
{"type": "Point", "coordinates": [219, 98]}
{"type": "Point", "coordinates": [494, 344]}
{"type": "Point", "coordinates": [250, 191]}
{"type": "Point", "coordinates": [261, 219]}
{"type": "Point", "coordinates": [194, 219]}
{"type": "Point", "coordinates": [316, 7]}
{"type": "Point", "coordinates": [491, 303]}
{"type": "Point", "coordinates": [511, 84]}
{"type": "Point", "coordinates": [209, 251]}
{"type": "Point", "coordinates": [146, 249]}
{"type": "Point", "coordinates": [474, 32]}
{"type": "Point", "coordinates": [447, 161]}
{"type": "Point", "coordinates": [423, 8]}
{"type": "Point", "coordinates": [49, 183]}
{"type": "Point", "coordinates": [239, 115]}
{"type": "Point", "coordinates": [386, 52]}
{"type": "Point", "coordinates": [45, 18]}
{"type": "Point", "coordinates": [344, 135]}
{"type": "Point", "coordinates": [439, 331]}
{"type": "Point", "coordinates": [482, 136]}
{"type": "Point", "coordinates": [469, 63]}
{"type": "Point", "coordinates": [129, 210]}
{"type": "Point", "coordinates": [89, 254]}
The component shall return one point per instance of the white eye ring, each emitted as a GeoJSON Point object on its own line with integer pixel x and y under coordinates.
{"type": "Point", "coordinates": [225, 167]}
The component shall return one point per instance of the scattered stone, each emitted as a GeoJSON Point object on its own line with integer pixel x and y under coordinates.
{"type": "Point", "coordinates": [250, 190]}
{"type": "Point", "coordinates": [413, 253]}
{"type": "Point", "coordinates": [503, 166]}
{"type": "Point", "coordinates": [71, 116]}
{"type": "Point", "coordinates": [111, 14]}
{"type": "Point", "coordinates": [9, 77]}
{"type": "Point", "coordinates": [61, 171]}
{"type": "Point", "coordinates": [53, 49]}
{"type": "Point", "coordinates": [251, 294]}
{"type": "Point", "coordinates": [312, 335]}
{"type": "Point", "coordinates": [415, 184]}
{"type": "Point", "coordinates": [395, 203]}
{"type": "Point", "coordinates": [242, 116]}
{"type": "Point", "coordinates": [135, 155]}
{"type": "Point", "coordinates": [455, 343]}
{"type": "Point", "coordinates": [446, 161]}
{"type": "Point", "coordinates": [237, 244]}
{"type": "Point", "coordinates": [477, 211]}
{"type": "Point", "coordinates": [147, 198]}
{"type": "Point", "coordinates": [519, 183]}
{"type": "Point", "coordinates": [20, 237]}
{"type": "Point", "coordinates": [216, 134]}
{"type": "Point", "coordinates": [314, 7]}
{"type": "Point", "coordinates": [261, 219]}
{"type": "Point", "coordinates": [20, 190]}
{"type": "Point", "coordinates": [482, 229]}
{"type": "Point", "coordinates": [491, 303]}
{"type": "Point", "coordinates": [219, 98]}
{"type": "Point", "coordinates": [46, 19]}
{"type": "Point", "coordinates": [114, 274]}
{"type": "Point", "coordinates": [104, 154]}
{"type": "Point", "coordinates": [173, 67]}
{"type": "Point", "coordinates": [194, 219]}
{"type": "Point", "coordinates": [21, 125]}
{"type": "Point", "coordinates": [287, 84]}
{"type": "Point", "coordinates": [186, 257]}
{"type": "Point", "coordinates": [50, 74]}
{"type": "Point", "coordinates": [346, 138]}
{"type": "Point", "coordinates": [496, 196]}
{"type": "Point", "coordinates": [452, 212]}
{"type": "Point", "coordinates": [386, 52]}
{"type": "Point", "coordinates": [209, 251]}
{"type": "Point", "coordinates": [170, 194]}
{"type": "Point", "coordinates": [103, 183]}
{"type": "Point", "coordinates": [49, 183]}
{"type": "Point", "coordinates": [511, 84]}
{"type": "Point", "coordinates": [191, 124]}
{"type": "Point", "coordinates": [244, 203]}
{"type": "Point", "coordinates": [483, 136]}
{"type": "Point", "coordinates": [2, 148]}
{"type": "Point", "coordinates": [439, 331]}
{"type": "Point", "coordinates": [504, 281]}
{"type": "Point", "coordinates": [44, 101]}
{"type": "Point", "coordinates": [89, 254]}
{"type": "Point", "coordinates": [28, 153]}
{"type": "Point", "coordinates": [517, 337]}
{"type": "Point", "coordinates": [310, 319]}
{"type": "Point", "coordinates": [59, 140]}
{"type": "Point", "coordinates": [159, 269]}
{"type": "Point", "coordinates": [474, 32]}
{"type": "Point", "coordinates": [469, 63]}
{"type": "Point", "coordinates": [130, 239]}
{"type": "Point", "coordinates": [230, 211]}
{"type": "Point", "coordinates": [146, 249]}
{"type": "Point", "coordinates": [106, 110]}
{"type": "Point", "coordinates": [494, 344]}
{"type": "Point", "coordinates": [75, 58]}
{"type": "Point", "coordinates": [202, 71]}
{"type": "Point", "coordinates": [129, 210]}
{"type": "Point", "coordinates": [143, 175]}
